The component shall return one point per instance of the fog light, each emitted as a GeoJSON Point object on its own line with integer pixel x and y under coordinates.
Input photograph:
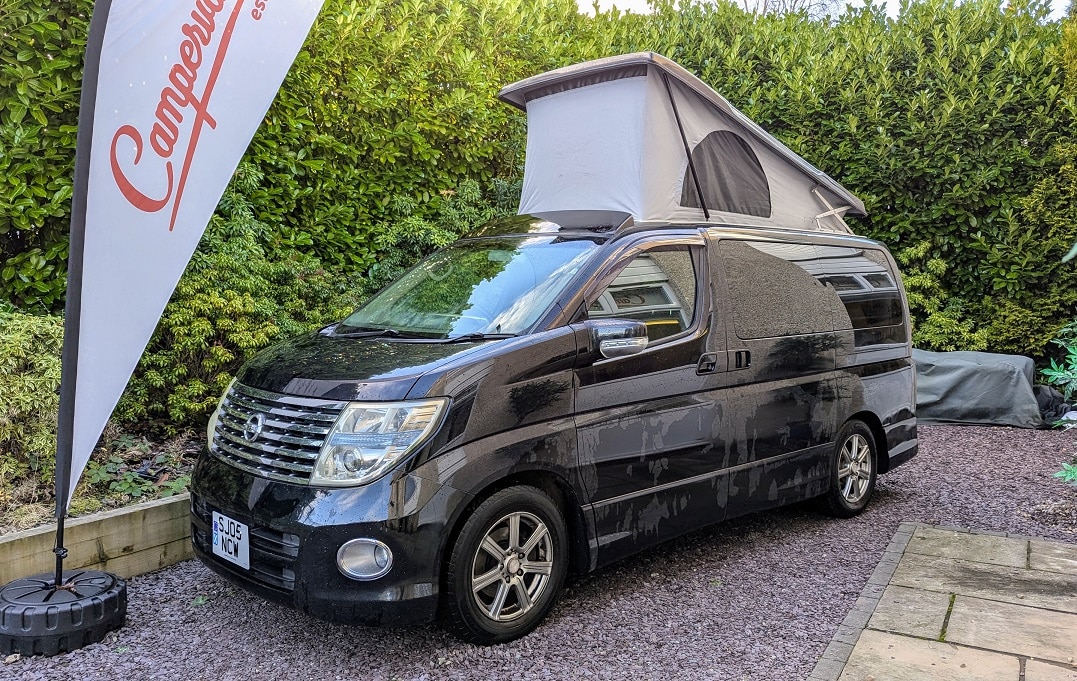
{"type": "Point", "coordinates": [364, 559]}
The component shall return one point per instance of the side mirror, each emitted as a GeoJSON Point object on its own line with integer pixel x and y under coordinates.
{"type": "Point", "coordinates": [617, 337]}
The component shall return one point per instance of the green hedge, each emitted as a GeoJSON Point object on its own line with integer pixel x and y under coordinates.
{"type": "Point", "coordinates": [386, 100]}
{"type": "Point", "coordinates": [40, 76]}
{"type": "Point", "coordinates": [950, 121]}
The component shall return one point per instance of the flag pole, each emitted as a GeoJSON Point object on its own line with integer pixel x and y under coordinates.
{"type": "Point", "coordinates": [29, 607]}
{"type": "Point", "coordinates": [76, 247]}
{"type": "Point", "coordinates": [60, 552]}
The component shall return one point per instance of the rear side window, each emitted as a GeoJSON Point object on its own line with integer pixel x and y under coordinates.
{"type": "Point", "coordinates": [865, 296]}
{"type": "Point", "coordinates": [774, 291]}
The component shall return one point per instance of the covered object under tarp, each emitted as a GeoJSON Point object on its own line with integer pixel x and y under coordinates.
{"type": "Point", "coordinates": [639, 135]}
{"type": "Point", "coordinates": [975, 387]}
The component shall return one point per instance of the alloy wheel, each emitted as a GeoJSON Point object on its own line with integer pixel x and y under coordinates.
{"type": "Point", "coordinates": [854, 468]}
{"type": "Point", "coordinates": [512, 566]}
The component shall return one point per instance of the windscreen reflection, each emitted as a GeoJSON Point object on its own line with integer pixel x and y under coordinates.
{"type": "Point", "coordinates": [479, 286]}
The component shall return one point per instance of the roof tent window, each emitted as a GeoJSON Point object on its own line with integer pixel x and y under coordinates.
{"type": "Point", "coordinates": [730, 176]}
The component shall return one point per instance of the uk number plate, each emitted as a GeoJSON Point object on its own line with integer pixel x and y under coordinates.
{"type": "Point", "coordinates": [231, 541]}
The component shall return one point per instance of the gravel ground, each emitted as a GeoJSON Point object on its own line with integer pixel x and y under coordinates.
{"type": "Point", "coordinates": [754, 598]}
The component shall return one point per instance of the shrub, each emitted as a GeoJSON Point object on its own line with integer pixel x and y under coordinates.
{"type": "Point", "coordinates": [29, 399]}
{"type": "Point", "coordinates": [941, 322]}
{"type": "Point", "coordinates": [232, 301]}
{"type": "Point", "coordinates": [1068, 473]}
{"type": "Point", "coordinates": [1063, 374]}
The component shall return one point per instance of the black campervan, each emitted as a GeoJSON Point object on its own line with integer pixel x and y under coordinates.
{"type": "Point", "coordinates": [561, 390]}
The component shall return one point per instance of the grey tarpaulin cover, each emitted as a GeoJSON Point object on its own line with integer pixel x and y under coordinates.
{"type": "Point", "coordinates": [975, 387]}
{"type": "Point", "coordinates": [613, 137]}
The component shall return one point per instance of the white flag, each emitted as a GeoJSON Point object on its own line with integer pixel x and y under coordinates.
{"type": "Point", "coordinates": [181, 87]}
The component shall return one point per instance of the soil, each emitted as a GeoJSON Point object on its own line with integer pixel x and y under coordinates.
{"type": "Point", "coordinates": [154, 468]}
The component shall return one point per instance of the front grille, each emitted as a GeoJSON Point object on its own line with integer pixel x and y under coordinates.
{"type": "Point", "coordinates": [272, 554]}
{"type": "Point", "coordinates": [292, 433]}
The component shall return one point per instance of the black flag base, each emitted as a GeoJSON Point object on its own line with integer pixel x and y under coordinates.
{"type": "Point", "coordinates": [40, 617]}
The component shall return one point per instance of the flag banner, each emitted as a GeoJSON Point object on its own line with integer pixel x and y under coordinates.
{"type": "Point", "coordinates": [181, 86]}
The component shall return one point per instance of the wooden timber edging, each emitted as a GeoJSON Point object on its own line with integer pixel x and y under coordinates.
{"type": "Point", "coordinates": [125, 541]}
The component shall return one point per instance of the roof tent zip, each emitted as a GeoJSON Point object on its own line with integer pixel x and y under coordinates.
{"type": "Point", "coordinates": [687, 149]}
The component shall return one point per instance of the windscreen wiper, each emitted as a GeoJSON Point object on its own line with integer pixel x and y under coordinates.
{"type": "Point", "coordinates": [361, 332]}
{"type": "Point", "coordinates": [478, 336]}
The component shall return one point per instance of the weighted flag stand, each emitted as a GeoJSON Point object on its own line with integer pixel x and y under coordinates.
{"type": "Point", "coordinates": [53, 613]}
{"type": "Point", "coordinates": [50, 613]}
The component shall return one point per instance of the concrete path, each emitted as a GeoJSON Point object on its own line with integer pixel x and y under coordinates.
{"type": "Point", "coordinates": [948, 604]}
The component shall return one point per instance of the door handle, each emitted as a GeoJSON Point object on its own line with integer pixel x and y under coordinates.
{"type": "Point", "coordinates": [742, 359]}
{"type": "Point", "coordinates": [707, 363]}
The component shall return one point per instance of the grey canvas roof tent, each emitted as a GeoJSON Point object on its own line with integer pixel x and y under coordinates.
{"type": "Point", "coordinates": [638, 135]}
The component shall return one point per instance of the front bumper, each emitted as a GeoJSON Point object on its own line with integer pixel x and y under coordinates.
{"type": "Point", "coordinates": [296, 530]}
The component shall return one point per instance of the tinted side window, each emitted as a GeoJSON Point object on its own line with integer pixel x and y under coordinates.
{"type": "Point", "coordinates": [657, 287]}
{"type": "Point", "coordinates": [867, 297]}
{"type": "Point", "coordinates": [773, 290]}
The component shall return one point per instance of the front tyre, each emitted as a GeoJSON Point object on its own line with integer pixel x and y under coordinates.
{"type": "Point", "coordinates": [506, 568]}
{"type": "Point", "coordinates": [853, 470]}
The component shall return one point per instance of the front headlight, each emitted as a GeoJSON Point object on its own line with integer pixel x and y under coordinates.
{"type": "Point", "coordinates": [370, 437]}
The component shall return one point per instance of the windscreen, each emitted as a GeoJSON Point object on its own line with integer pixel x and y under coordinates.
{"type": "Point", "coordinates": [496, 285]}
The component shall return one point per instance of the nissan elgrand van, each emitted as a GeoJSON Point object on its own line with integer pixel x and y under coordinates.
{"type": "Point", "coordinates": [541, 401]}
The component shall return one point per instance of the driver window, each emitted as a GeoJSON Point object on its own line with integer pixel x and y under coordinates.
{"type": "Point", "coordinates": [657, 287]}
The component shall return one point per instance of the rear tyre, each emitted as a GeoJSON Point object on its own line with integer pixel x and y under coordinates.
{"type": "Point", "coordinates": [854, 466]}
{"type": "Point", "coordinates": [506, 568]}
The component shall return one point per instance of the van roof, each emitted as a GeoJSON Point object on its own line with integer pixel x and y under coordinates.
{"type": "Point", "coordinates": [531, 224]}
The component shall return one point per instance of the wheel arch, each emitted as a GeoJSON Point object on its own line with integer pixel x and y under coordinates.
{"type": "Point", "coordinates": [557, 488]}
{"type": "Point", "coordinates": [882, 451]}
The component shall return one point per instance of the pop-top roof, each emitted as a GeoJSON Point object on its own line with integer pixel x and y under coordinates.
{"type": "Point", "coordinates": [639, 135]}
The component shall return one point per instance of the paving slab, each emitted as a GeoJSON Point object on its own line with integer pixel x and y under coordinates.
{"type": "Point", "coordinates": [880, 656]}
{"type": "Point", "coordinates": [957, 605]}
{"type": "Point", "coordinates": [1018, 629]}
{"type": "Point", "coordinates": [1038, 671]}
{"type": "Point", "coordinates": [1037, 588]}
{"type": "Point", "coordinates": [1053, 557]}
{"type": "Point", "coordinates": [976, 548]}
{"type": "Point", "coordinates": [912, 612]}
